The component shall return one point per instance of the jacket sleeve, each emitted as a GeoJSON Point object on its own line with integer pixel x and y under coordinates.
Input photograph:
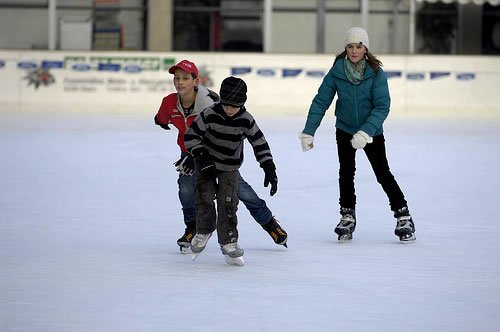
{"type": "Point", "coordinates": [193, 138]}
{"type": "Point", "coordinates": [381, 104]}
{"type": "Point", "coordinates": [162, 118]}
{"type": "Point", "coordinates": [321, 103]}
{"type": "Point", "coordinates": [256, 138]}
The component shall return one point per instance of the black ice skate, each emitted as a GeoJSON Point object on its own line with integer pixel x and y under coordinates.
{"type": "Point", "coordinates": [405, 228]}
{"type": "Point", "coordinates": [277, 233]}
{"type": "Point", "coordinates": [347, 224]}
{"type": "Point", "coordinates": [184, 241]}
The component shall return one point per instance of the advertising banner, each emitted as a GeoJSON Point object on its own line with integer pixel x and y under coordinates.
{"type": "Point", "coordinates": [278, 84]}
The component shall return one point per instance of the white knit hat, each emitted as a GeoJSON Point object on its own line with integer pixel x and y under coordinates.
{"type": "Point", "coordinates": [356, 35]}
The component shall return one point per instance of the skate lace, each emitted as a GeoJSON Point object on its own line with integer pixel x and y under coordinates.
{"type": "Point", "coordinates": [404, 222]}
{"type": "Point", "coordinates": [346, 220]}
{"type": "Point", "coordinates": [188, 234]}
{"type": "Point", "coordinates": [231, 247]}
{"type": "Point", "coordinates": [200, 238]}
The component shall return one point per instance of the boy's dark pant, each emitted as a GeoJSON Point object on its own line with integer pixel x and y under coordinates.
{"type": "Point", "coordinates": [378, 160]}
{"type": "Point", "coordinates": [255, 205]}
{"type": "Point", "coordinates": [225, 190]}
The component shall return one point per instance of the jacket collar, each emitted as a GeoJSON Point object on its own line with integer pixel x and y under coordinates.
{"type": "Point", "coordinates": [218, 109]}
{"type": "Point", "coordinates": [338, 70]}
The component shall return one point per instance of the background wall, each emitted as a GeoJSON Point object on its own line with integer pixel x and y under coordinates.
{"type": "Point", "coordinates": [27, 27]}
{"type": "Point", "coordinates": [150, 25]}
{"type": "Point", "coordinates": [278, 84]}
{"type": "Point", "coordinates": [301, 26]}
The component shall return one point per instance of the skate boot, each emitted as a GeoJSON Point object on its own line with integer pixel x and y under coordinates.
{"type": "Point", "coordinates": [185, 241]}
{"type": "Point", "coordinates": [277, 232]}
{"type": "Point", "coordinates": [233, 254]}
{"type": "Point", "coordinates": [405, 228]}
{"type": "Point", "coordinates": [347, 224]}
{"type": "Point", "coordinates": [198, 243]}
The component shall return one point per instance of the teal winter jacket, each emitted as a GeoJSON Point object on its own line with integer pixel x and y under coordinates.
{"type": "Point", "coordinates": [359, 107]}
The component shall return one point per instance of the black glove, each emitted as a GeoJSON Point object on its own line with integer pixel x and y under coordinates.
{"type": "Point", "coordinates": [270, 176]}
{"type": "Point", "coordinates": [185, 165]}
{"type": "Point", "coordinates": [207, 166]}
{"type": "Point", "coordinates": [164, 126]}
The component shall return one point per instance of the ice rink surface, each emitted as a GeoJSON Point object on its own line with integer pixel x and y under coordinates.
{"type": "Point", "coordinates": [89, 216]}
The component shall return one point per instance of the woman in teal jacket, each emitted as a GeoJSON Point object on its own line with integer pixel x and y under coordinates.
{"type": "Point", "coordinates": [362, 106]}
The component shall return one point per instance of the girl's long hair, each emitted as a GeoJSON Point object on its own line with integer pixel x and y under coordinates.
{"type": "Point", "coordinates": [372, 60]}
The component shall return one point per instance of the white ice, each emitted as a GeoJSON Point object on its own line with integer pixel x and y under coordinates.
{"type": "Point", "coordinates": [89, 216]}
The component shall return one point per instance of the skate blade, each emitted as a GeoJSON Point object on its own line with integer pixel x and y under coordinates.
{"type": "Point", "coordinates": [185, 250]}
{"type": "Point", "coordinates": [345, 238]}
{"type": "Point", "coordinates": [193, 258]}
{"type": "Point", "coordinates": [238, 261]}
{"type": "Point", "coordinates": [283, 243]}
{"type": "Point", "coordinates": [408, 238]}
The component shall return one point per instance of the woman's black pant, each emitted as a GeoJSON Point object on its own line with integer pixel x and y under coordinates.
{"type": "Point", "coordinates": [378, 160]}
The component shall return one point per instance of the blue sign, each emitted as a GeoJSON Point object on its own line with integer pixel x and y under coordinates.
{"type": "Point", "coordinates": [81, 67]}
{"type": "Point", "coordinates": [415, 76]}
{"type": "Point", "coordinates": [466, 76]}
{"type": "Point", "coordinates": [240, 70]}
{"type": "Point", "coordinates": [52, 64]}
{"type": "Point", "coordinates": [291, 72]}
{"type": "Point", "coordinates": [266, 72]}
{"type": "Point", "coordinates": [391, 74]}
{"type": "Point", "coordinates": [435, 75]}
{"type": "Point", "coordinates": [108, 67]}
{"type": "Point", "coordinates": [132, 68]}
{"type": "Point", "coordinates": [315, 73]}
{"type": "Point", "coordinates": [26, 65]}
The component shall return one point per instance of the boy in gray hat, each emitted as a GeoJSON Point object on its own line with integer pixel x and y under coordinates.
{"type": "Point", "coordinates": [179, 109]}
{"type": "Point", "coordinates": [215, 139]}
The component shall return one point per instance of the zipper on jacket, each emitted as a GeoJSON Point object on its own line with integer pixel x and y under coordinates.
{"type": "Point", "coordinates": [186, 120]}
{"type": "Point", "coordinates": [356, 107]}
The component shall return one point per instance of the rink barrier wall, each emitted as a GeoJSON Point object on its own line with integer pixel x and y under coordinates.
{"type": "Point", "coordinates": [278, 84]}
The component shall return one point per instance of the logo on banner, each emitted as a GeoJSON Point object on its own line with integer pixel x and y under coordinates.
{"type": "Point", "coordinates": [38, 72]}
{"type": "Point", "coordinates": [39, 77]}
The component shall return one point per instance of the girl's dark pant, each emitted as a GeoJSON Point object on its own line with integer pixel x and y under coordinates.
{"type": "Point", "coordinates": [376, 155]}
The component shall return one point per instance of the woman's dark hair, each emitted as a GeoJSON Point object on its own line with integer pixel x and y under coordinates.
{"type": "Point", "coordinates": [370, 58]}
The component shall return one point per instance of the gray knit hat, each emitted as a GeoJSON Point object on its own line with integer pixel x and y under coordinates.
{"type": "Point", "coordinates": [356, 35]}
{"type": "Point", "coordinates": [233, 91]}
